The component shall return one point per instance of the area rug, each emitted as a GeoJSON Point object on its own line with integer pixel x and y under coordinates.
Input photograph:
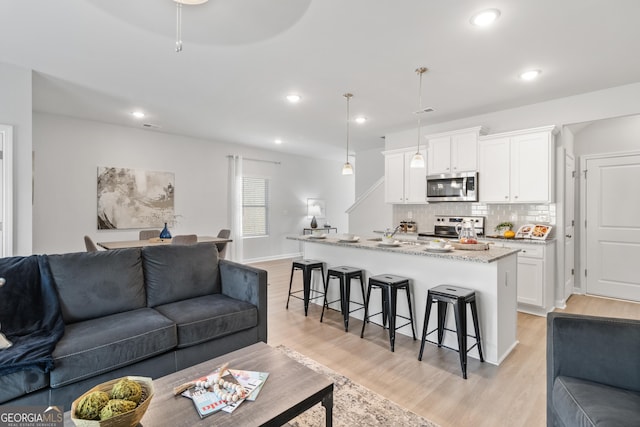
{"type": "Point", "coordinates": [353, 404]}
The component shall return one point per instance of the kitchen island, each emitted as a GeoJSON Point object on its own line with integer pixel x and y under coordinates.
{"type": "Point", "coordinates": [491, 273]}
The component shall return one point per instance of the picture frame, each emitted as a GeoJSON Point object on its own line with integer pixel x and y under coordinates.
{"type": "Point", "coordinates": [534, 231]}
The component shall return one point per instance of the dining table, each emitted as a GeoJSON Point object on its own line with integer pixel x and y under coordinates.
{"type": "Point", "coordinates": [156, 241]}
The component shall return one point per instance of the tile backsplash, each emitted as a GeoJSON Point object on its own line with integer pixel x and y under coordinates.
{"type": "Point", "coordinates": [518, 214]}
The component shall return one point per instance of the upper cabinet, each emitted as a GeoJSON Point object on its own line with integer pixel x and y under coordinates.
{"type": "Point", "coordinates": [404, 184]}
{"type": "Point", "coordinates": [517, 167]}
{"type": "Point", "coordinates": [453, 152]}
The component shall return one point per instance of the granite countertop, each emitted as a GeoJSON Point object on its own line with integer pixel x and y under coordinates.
{"type": "Point", "coordinates": [519, 240]}
{"type": "Point", "coordinates": [418, 248]}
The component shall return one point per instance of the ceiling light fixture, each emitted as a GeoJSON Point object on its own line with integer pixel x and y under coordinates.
{"type": "Point", "coordinates": [179, 4]}
{"type": "Point", "coordinates": [293, 98]}
{"type": "Point", "coordinates": [530, 75]}
{"type": "Point", "coordinates": [138, 114]}
{"type": "Point", "coordinates": [485, 18]}
{"type": "Point", "coordinates": [347, 169]}
{"type": "Point", "coordinates": [417, 161]}
{"type": "Point", "coordinates": [361, 119]}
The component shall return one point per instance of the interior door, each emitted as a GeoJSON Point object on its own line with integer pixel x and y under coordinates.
{"type": "Point", "coordinates": [569, 224]}
{"type": "Point", "coordinates": [613, 227]}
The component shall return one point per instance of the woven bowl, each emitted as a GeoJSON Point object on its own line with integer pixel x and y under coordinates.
{"type": "Point", "coordinates": [128, 419]}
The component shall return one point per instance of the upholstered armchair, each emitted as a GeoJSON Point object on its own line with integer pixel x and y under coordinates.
{"type": "Point", "coordinates": [593, 371]}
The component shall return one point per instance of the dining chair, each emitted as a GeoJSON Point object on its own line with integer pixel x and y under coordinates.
{"type": "Point", "coordinates": [148, 234]}
{"type": "Point", "coordinates": [222, 247]}
{"type": "Point", "coordinates": [88, 242]}
{"type": "Point", "coordinates": [185, 239]}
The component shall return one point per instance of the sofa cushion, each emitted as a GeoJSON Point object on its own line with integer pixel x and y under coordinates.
{"type": "Point", "coordinates": [97, 284]}
{"type": "Point", "coordinates": [22, 382]}
{"type": "Point", "coordinates": [95, 346]}
{"type": "Point", "coordinates": [205, 318]}
{"type": "Point", "coordinates": [584, 403]}
{"type": "Point", "coordinates": [179, 272]}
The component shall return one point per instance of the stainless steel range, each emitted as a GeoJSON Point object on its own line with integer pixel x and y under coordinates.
{"type": "Point", "coordinates": [445, 226]}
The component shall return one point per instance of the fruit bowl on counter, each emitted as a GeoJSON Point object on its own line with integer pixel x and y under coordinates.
{"type": "Point", "coordinates": [468, 244]}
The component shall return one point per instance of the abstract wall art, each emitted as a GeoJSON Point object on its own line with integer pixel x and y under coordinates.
{"type": "Point", "coordinates": [134, 198]}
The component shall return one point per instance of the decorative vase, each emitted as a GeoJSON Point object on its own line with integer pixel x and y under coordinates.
{"type": "Point", "coordinates": [164, 234]}
{"type": "Point", "coordinates": [314, 223]}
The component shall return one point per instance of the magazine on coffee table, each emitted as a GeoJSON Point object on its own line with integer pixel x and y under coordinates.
{"type": "Point", "coordinates": [207, 402]}
{"type": "Point", "coordinates": [250, 380]}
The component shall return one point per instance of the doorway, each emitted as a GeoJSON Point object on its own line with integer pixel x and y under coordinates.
{"type": "Point", "coordinates": [611, 206]}
{"type": "Point", "coordinates": [6, 190]}
{"type": "Point", "coordinates": [569, 224]}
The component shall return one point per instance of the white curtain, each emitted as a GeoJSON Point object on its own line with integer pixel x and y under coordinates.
{"type": "Point", "coordinates": [235, 208]}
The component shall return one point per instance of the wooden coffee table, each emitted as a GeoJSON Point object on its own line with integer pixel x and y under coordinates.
{"type": "Point", "coordinates": [290, 389]}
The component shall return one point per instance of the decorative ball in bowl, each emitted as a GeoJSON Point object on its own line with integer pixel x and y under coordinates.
{"type": "Point", "coordinates": [117, 403]}
{"type": "Point", "coordinates": [348, 236]}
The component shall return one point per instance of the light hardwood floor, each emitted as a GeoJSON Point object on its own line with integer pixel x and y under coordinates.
{"type": "Point", "coordinates": [512, 394]}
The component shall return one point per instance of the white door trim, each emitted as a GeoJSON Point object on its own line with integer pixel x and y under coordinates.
{"type": "Point", "coordinates": [6, 148]}
{"type": "Point", "coordinates": [581, 227]}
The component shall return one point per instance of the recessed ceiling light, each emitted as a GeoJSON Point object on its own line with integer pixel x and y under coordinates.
{"type": "Point", "coordinates": [278, 141]}
{"type": "Point", "coordinates": [485, 18]}
{"type": "Point", "coordinates": [138, 114]}
{"type": "Point", "coordinates": [361, 119]}
{"type": "Point", "coordinates": [530, 75]}
{"type": "Point", "coordinates": [293, 98]}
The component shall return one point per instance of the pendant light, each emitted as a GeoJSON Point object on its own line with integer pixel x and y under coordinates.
{"type": "Point", "coordinates": [179, 4]}
{"type": "Point", "coordinates": [417, 161]}
{"type": "Point", "coordinates": [347, 169]}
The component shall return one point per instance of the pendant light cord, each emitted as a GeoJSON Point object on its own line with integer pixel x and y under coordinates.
{"type": "Point", "coordinates": [348, 96]}
{"type": "Point", "coordinates": [420, 72]}
{"type": "Point", "coordinates": [178, 27]}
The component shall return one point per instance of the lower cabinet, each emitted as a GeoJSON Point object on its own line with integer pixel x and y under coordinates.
{"type": "Point", "coordinates": [536, 277]}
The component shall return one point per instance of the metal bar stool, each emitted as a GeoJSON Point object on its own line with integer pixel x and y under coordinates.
{"type": "Point", "coordinates": [459, 298]}
{"type": "Point", "coordinates": [307, 266]}
{"type": "Point", "coordinates": [345, 275]}
{"type": "Point", "coordinates": [389, 284]}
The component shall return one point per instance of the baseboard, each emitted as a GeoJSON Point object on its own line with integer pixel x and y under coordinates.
{"type": "Point", "coordinates": [272, 258]}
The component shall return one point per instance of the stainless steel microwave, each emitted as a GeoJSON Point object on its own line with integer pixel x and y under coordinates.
{"type": "Point", "coordinates": [453, 187]}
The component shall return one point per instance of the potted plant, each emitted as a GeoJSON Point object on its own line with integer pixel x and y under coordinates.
{"type": "Point", "coordinates": [506, 229]}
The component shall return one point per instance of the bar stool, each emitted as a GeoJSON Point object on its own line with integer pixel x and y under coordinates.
{"type": "Point", "coordinates": [459, 298]}
{"type": "Point", "coordinates": [389, 284]}
{"type": "Point", "coordinates": [345, 275]}
{"type": "Point", "coordinates": [307, 266]}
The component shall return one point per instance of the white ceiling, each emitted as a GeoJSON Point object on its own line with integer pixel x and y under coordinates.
{"type": "Point", "coordinates": [101, 59]}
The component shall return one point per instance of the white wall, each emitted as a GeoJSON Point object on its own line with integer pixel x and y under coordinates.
{"type": "Point", "coordinates": [15, 110]}
{"type": "Point", "coordinates": [68, 152]}
{"type": "Point", "coordinates": [608, 136]}
{"type": "Point", "coordinates": [369, 168]}
{"type": "Point", "coordinates": [371, 213]}
{"type": "Point", "coordinates": [602, 104]}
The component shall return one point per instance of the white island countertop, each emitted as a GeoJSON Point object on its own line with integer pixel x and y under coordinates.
{"type": "Point", "coordinates": [413, 247]}
{"type": "Point", "coordinates": [491, 273]}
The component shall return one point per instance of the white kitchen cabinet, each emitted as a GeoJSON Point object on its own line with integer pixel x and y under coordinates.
{"type": "Point", "coordinates": [453, 152]}
{"type": "Point", "coordinates": [535, 277]}
{"type": "Point", "coordinates": [517, 167]}
{"type": "Point", "coordinates": [404, 184]}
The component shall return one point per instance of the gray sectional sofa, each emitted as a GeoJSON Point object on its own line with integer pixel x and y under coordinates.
{"type": "Point", "coordinates": [147, 312]}
{"type": "Point", "coordinates": [593, 371]}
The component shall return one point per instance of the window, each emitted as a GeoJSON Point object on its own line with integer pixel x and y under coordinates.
{"type": "Point", "coordinates": [255, 206]}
